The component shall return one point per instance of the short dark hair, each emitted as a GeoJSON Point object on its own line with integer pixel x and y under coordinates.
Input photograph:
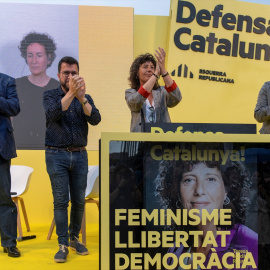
{"type": "Point", "coordinates": [68, 60]}
{"type": "Point", "coordinates": [43, 39]}
{"type": "Point", "coordinates": [133, 72]}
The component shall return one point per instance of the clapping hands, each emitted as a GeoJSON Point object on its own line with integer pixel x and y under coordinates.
{"type": "Point", "coordinates": [160, 55]}
{"type": "Point", "coordinates": [77, 86]}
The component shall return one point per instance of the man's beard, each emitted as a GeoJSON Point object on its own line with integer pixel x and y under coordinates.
{"type": "Point", "coordinates": [65, 86]}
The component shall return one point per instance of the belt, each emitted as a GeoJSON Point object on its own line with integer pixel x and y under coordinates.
{"type": "Point", "coordinates": [69, 149]}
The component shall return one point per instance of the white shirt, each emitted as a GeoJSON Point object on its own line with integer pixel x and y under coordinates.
{"type": "Point", "coordinates": [150, 116]}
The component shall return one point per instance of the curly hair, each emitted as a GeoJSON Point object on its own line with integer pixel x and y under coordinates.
{"type": "Point", "coordinates": [134, 80]}
{"type": "Point", "coordinates": [42, 39]}
{"type": "Point", "coordinates": [235, 176]}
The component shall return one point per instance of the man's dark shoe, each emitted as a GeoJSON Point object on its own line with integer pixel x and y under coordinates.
{"type": "Point", "coordinates": [77, 246]}
{"type": "Point", "coordinates": [12, 251]}
{"type": "Point", "coordinates": [61, 255]}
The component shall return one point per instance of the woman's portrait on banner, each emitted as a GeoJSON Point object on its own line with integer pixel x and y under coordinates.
{"type": "Point", "coordinates": [31, 50]}
{"type": "Point", "coordinates": [39, 51]}
{"type": "Point", "coordinates": [211, 186]}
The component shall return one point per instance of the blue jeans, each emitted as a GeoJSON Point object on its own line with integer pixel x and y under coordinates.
{"type": "Point", "coordinates": [68, 175]}
{"type": "Point", "coordinates": [8, 209]}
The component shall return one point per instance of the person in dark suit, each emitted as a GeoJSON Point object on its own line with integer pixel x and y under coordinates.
{"type": "Point", "coordinates": [9, 106]}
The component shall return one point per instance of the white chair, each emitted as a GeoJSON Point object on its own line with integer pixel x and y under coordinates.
{"type": "Point", "coordinates": [20, 180]}
{"type": "Point", "coordinates": [92, 191]}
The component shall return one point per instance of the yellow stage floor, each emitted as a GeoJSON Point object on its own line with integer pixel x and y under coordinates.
{"type": "Point", "coordinates": [38, 254]}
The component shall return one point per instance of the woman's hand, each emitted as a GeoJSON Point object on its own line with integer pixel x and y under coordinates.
{"type": "Point", "coordinates": [157, 71]}
{"type": "Point", "coordinates": [160, 55]}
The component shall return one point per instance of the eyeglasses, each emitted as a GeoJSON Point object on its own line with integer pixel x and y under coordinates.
{"type": "Point", "coordinates": [66, 73]}
{"type": "Point", "coordinates": [151, 117]}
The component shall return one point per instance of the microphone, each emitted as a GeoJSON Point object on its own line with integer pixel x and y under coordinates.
{"type": "Point", "coordinates": [22, 238]}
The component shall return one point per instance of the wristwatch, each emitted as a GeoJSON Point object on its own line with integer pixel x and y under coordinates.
{"type": "Point", "coordinates": [84, 102]}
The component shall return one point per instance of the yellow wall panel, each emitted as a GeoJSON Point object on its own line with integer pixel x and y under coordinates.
{"type": "Point", "coordinates": [105, 55]}
{"type": "Point", "coordinates": [150, 32]}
